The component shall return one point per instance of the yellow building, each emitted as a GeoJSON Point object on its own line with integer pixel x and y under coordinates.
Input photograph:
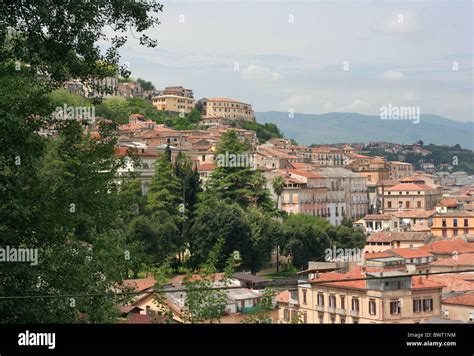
{"type": "Point", "coordinates": [174, 103]}
{"type": "Point", "coordinates": [453, 223]}
{"type": "Point", "coordinates": [333, 298]}
{"type": "Point", "coordinates": [228, 109]}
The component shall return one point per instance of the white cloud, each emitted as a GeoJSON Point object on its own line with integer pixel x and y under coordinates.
{"type": "Point", "coordinates": [259, 73]}
{"type": "Point", "coordinates": [392, 75]}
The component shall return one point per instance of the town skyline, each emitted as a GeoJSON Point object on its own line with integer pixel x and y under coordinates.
{"type": "Point", "coordinates": [307, 74]}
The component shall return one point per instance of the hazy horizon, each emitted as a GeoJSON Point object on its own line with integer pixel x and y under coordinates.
{"type": "Point", "coordinates": [282, 56]}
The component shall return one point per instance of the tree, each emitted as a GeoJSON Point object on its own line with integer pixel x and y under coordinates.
{"type": "Point", "coordinates": [278, 186]}
{"type": "Point", "coordinates": [146, 85]}
{"type": "Point", "coordinates": [204, 301]}
{"type": "Point", "coordinates": [234, 182]}
{"type": "Point", "coordinates": [216, 221]}
{"type": "Point", "coordinates": [58, 192]}
{"type": "Point", "coordinates": [164, 191]}
{"type": "Point", "coordinates": [264, 232]}
{"type": "Point", "coordinates": [306, 239]}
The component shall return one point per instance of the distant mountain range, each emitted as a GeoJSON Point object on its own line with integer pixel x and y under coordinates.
{"type": "Point", "coordinates": [352, 127]}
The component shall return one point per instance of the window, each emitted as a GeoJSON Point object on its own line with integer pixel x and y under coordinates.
{"type": "Point", "coordinates": [343, 301]}
{"type": "Point", "coordinates": [372, 307]}
{"type": "Point", "coordinates": [455, 222]}
{"type": "Point", "coordinates": [304, 296]}
{"type": "Point", "coordinates": [466, 222]}
{"type": "Point", "coordinates": [332, 301]}
{"type": "Point", "coordinates": [443, 223]}
{"type": "Point", "coordinates": [286, 314]}
{"type": "Point", "coordinates": [305, 318]}
{"type": "Point", "coordinates": [320, 299]}
{"type": "Point", "coordinates": [418, 204]}
{"type": "Point", "coordinates": [455, 232]}
{"type": "Point", "coordinates": [355, 304]}
{"type": "Point", "coordinates": [389, 204]}
{"type": "Point", "coordinates": [416, 305]}
{"type": "Point", "coordinates": [445, 232]}
{"type": "Point", "coordinates": [407, 204]}
{"type": "Point", "coordinates": [394, 308]}
{"type": "Point", "coordinates": [321, 318]}
{"type": "Point", "coordinates": [428, 304]}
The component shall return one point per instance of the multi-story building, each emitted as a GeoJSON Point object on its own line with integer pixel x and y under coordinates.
{"type": "Point", "coordinates": [385, 240]}
{"type": "Point", "coordinates": [174, 103]}
{"type": "Point", "coordinates": [366, 297]}
{"type": "Point", "coordinates": [459, 307]}
{"type": "Point", "coordinates": [304, 193]}
{"type": "Point", "coordinates": [400, 170]}
{"type": "Point", "coordinates": [373, 168]}
{"type": "Point", "coordinates": [410, 194]}
{"type": "Point", "coordinates": [452, 224]}
{"type": "Point", "coordinates": [347, 194]}
{"type": "Point", "coordinates": [328, 156]}
{"type": "Point", "coordinates": [228, 109]}
{"type": "Point", "coordinates": [178, 91]}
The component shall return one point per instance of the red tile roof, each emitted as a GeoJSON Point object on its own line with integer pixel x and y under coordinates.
{"type": "Point", "coordinates": [449, 247]}
{"type": "Point", "coordinates": [425, 283]}
{"type": "Point", "coordinates": [455, 282]}
{"type": "Point", "coordinates": [388, 236]}
{"type": "Point", "coordinates": [283, 297]}
{"type": "Point", "coordinates": [140, 284]}
{"type": "Point", "coordinates": [466, 259]}
{"type": "Point", "coordinates": [466, 299]}
{"type": "Point", "coordinates": [409, 186]}
{"type": "Point", "coordinates": [305, 173]}
{"type": "Point", "coordinates": [410, 252]}
{"type": "Point", "coordinates": [370, 256]}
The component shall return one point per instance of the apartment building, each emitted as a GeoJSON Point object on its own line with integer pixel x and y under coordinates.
{"type": "Point", "coordinates": [304, 193]}
{"type": "Point", "coordinates": [228, 109]}
{"type": "Point", "coordinates": [174, 103]}
{"type": "Point", "coordinates": [459, 307]}
{"type": "Point", "coordinates": [385, 240]}
{"type": "Point", "coordinates": [347, 194]}
{"type": "Point", "coordinates": [410, 194]}
{"type": "Point", "coordinates": [328, 156]}
{"type": "Point", "coordinates": [178, 91]}
{"type": "Point", "coordinates": [400, 170]}
{"type": "Point", "coordinates": [374, 297]}
{"type": "Point", "coordinates": [378, 222]}
{"type": "Point", "coordinates": [452, 224]}
{"type": "Point", "coordinates": [374, 169]}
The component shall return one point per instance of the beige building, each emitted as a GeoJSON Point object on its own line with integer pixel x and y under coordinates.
{"type": "Point", "coordinates": [228, 109]}
{"type": "Point", "coordinates": [400, 170]}
{"type": "Point", "coordinates": [410, 194]}
{"type": "Point", "coordinates": [174, 103]}
{"type": "Point", "coordinates": [386, 240]}
{"type": "Point", "coordinates": [398, 298]}
{"type": "Point", "coordinates": [459, 307]}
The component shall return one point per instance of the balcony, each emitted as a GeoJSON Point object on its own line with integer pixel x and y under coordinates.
{"type": "Point", "coordinates": [331, 310]}
{"type": "Point", "coordinates": [319, 308]}
{"type": "Point", "coordinates": [340, 311]}
{"type": "Point", "coordinates": [354, 313]}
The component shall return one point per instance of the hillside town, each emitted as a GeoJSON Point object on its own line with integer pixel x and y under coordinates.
{"type": "Point", "coordinates": [416, 223]}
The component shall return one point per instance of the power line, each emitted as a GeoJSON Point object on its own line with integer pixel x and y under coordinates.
{"type": "Point", "coordinates": [263, 286]}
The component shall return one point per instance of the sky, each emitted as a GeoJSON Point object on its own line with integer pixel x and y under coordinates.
{"type": "Point", "coordinates": [316, 56]}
